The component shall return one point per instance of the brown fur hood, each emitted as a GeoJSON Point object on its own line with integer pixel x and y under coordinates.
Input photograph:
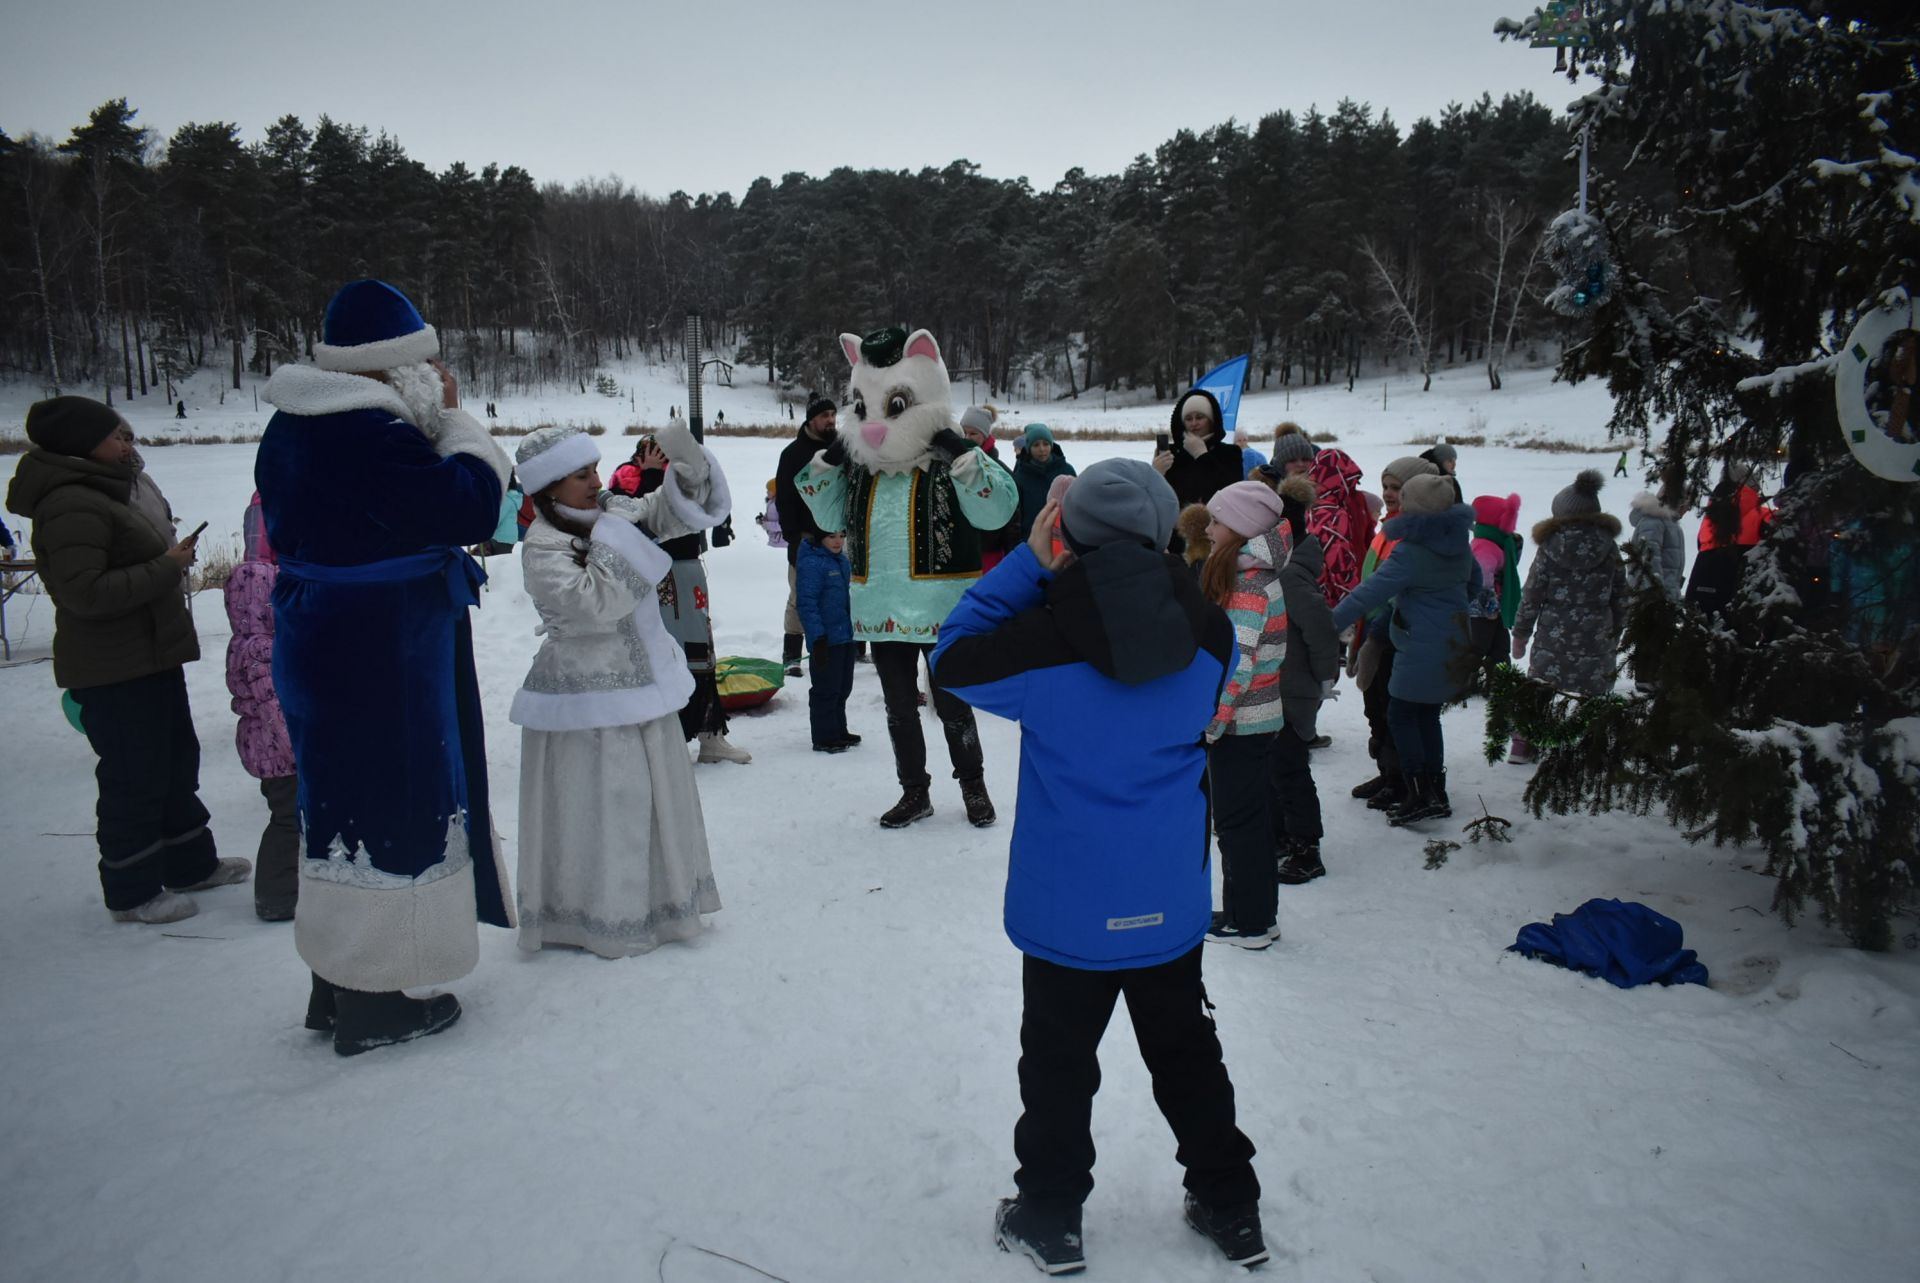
{"type": "Point", "coordinates": [1192, 527]}
{"type": "Point", "coordinates": [1578, 542]}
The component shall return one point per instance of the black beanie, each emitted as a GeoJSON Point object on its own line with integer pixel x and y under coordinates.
{"type": "Point", "coordinates": [70, 425]}
{"type": "Point", "coordinates": [821, 405]}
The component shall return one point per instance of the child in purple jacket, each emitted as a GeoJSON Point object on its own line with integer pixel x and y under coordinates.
{"type": "Point", "coordinates": [262, 734]}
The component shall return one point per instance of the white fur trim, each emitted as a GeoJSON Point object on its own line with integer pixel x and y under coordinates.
{"type": "Point", "coordinates": [672, 684]}
{"type": "Point", "coordinates": [569, 454]}
{"type": "Point", "coordinates": [311, 392]}
{"type": "Point", "coordinates": [701, 516]}
{"type": "Point", "coordinates": [458, 432]}
{"type": "Point", "coordinates": [638, 551]}
{"type": "Point", "coordinates": [363, 358]}
{"type": "Point", "coordinates": [385, 938]}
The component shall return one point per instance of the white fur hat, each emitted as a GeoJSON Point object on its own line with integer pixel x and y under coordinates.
{"type": "Point", "coordinates": [549, 454]}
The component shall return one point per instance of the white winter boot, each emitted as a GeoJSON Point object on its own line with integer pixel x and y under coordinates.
{"type": "Point", "coordinates": [227, 871]}
{"type": "Point", "coordinates": [168, 906]}
{"type": "Point", "coordinates": [714, 748]}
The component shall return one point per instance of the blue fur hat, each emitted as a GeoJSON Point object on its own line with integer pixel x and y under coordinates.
{"type": "Point", "coordinates": [372, 326]}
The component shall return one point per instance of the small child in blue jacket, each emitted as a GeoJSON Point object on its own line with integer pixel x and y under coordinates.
{"type": "Point", "coordinates": [822, 576]}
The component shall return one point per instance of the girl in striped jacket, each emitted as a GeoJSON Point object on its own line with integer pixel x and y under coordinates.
{"type": "Point", "coordinates": [1242, 574]}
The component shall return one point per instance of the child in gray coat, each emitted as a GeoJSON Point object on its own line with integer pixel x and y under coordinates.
{"type": "Point", "coordinates": [1657, 544]}
{"type": "Point", "coordinates": [1574, 606]}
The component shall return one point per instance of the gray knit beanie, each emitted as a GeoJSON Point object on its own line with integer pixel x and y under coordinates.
{"type": "Point", "coordinates": [1291, 447]}
{"type": "Point", "coordinates": [1582, 498]}
{"type": "Point", "coordinates": [1406, 469]}
{"type": "Point", "coordinates": [1427, 493]}
{"type": "Point", "coordinates": [1119, 501]}
{"type": "Point", "coordinates": [977, 418]}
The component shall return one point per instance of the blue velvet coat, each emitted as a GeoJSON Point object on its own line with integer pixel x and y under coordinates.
{"type": "Point", "coordinates": [373, 663]}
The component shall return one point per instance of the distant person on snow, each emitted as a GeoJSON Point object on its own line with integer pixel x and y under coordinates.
{"type": "Point", "coordinates": [1110, 659]}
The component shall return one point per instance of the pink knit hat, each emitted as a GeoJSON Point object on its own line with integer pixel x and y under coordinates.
{"type": "Point", "coordinates": [1501, 514]}
{"type": "Point", "coordinates": [1247, 508]}
{"type": "Point", "coordinates": [1057, 488]}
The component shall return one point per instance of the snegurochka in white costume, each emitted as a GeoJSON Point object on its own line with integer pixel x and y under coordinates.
{"type": "Point", "coordinates": [613, 845]}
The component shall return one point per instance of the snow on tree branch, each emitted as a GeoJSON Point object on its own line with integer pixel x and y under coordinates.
{"type": "Point", "coordinates": [1775, 380]}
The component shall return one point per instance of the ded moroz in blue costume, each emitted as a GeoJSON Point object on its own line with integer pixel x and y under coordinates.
{"type": "Point", "coordinates": [371, 488]}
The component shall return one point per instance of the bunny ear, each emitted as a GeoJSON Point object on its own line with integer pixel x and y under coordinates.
{"type": "Point", "coordinates": [850, 344]}
{"type": "Point", "coordinates": [921, 344]}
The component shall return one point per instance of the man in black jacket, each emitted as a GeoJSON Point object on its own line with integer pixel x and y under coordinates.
{"type": "Point", "coordinates": [796, 521]}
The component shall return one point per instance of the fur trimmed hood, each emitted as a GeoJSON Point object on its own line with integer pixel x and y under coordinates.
{"type": "Point", "coordinates": [1215, 434]}
{"type": "Point", "coordinates": [1580, 542]}
{"type": "Point", "coordinates": [1649, 503]}
{"type": "Point", "coordinates": [1545, 530]}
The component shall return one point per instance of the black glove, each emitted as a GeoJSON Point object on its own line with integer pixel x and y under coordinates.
{"type": "Point", "coordinates": [817, 653]}
{"type": "Point", "coordinates": [836, 452]}
{"type": "Point", "coordinates": [950, 445]}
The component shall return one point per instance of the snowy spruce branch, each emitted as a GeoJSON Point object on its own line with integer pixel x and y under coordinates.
{"type": "Point", "coordinates": [1899, 172]}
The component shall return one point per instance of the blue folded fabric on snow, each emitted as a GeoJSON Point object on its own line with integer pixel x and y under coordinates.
{"type": "Point", "coordinates": [1622, 942]}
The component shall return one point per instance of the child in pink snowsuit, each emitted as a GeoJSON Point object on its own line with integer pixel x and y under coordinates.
{"type": "Point", "coordinates": [262, 734]}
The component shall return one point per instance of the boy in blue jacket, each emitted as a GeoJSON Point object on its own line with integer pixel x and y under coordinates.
{"type": "Point", "coordinates": [1112, 662]}
{"type": "Point", "coordinates": [821, 578]}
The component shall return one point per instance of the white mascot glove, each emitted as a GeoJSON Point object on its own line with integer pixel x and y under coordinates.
{"type": "Point", "coordinates": [682, 451]}
{"type": "Point", "coordinates": [966, 468]}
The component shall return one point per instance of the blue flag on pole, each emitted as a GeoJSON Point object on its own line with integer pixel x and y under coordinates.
{"type": "Point", "coordinates": [1225, 381]}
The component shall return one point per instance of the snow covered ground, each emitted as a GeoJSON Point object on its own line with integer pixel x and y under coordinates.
{"type": "Point", "coordinates": [823, 1086]}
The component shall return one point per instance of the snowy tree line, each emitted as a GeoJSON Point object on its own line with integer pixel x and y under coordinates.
{"type": "Point", "coordinates": [1312, 240]}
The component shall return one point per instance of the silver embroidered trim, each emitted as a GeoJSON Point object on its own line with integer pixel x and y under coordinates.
{"type": "Point", "coordinates": [639, 671]}
{"type": "Point", "coordinates": [704, 899]}
{"type": "Point", "coordinates": [355, 868]}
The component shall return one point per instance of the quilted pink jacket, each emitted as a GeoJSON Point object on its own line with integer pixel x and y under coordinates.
{"type": "Point", "coordinates": [262, 734]}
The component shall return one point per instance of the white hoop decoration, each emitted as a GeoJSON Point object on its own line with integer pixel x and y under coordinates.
{"type": "Point", "coordinates": [1876, 451]}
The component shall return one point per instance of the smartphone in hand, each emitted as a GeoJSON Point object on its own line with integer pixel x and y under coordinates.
{"type": "Point", "coordinates": [196, 533]}
{"type": "Point", "coordinates": [1163, 444]}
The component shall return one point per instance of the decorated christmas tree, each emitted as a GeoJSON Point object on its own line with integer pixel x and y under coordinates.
{"type": "Point", "coordinates": [1745, 285]}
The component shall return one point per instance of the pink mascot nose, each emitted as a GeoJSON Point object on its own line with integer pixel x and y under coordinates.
{"type": "Point", "coordinates": [873, 434]}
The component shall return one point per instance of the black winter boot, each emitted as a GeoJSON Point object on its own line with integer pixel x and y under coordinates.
{"type": "Point", "coordinates": [979, 805]}
{"type": "Point", "coordinates": [1234, 1229]}
{"type": "Point", "coordinates": [363, 1021]}
{"type": "Point", "coordinates": [1427, 801]}
{"type": "Point", "coordinates": [914, 804]}
{"type": "Point", "coordinates": [320, 1008]}
{"type": "Point", "coordinates": [790, 650]}
{"type": "Point", "coordinates": [1372, 786]}
{"type": "Point", "coordinates": [1301, 863]}
{"type": "Point", "coordinates": [1050, 1237]}
{"type": "Point", "coordinates": [1390, 794]}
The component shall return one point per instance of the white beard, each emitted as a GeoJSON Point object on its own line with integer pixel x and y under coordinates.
{"type": "Point", "coordinates": [420, 390]}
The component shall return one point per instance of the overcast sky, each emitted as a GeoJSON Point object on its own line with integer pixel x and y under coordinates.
{"type": "Point", "coordinates": [709, 96]}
